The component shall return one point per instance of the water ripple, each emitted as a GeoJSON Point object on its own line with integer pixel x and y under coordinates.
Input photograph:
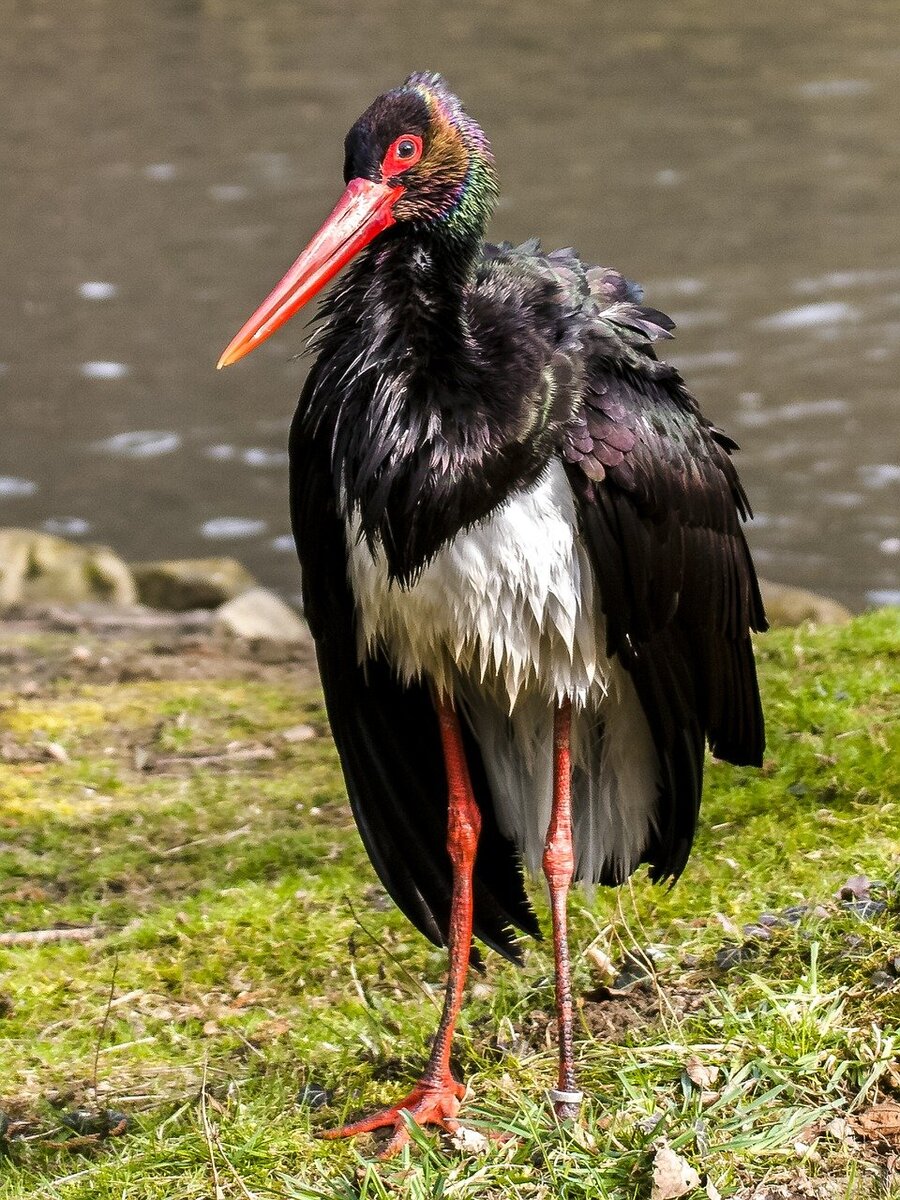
{"type": "Point", "coordinates": [104, 370]}
{"type": "Point", "coordinates": [97, 289]}
{"type": "Point", "coordinates": [66, 526]}
{"type": "Point", "coordinates": [846, 279]}
{"type": "Point", "coordinates": [232, 527]}
{"type": "Point", "coordinates": [879, 475]}
{"type": "Point", "coordinates": [259, 456]}
{"type": "Point", "coordinates": [825, 89]}
{"type": "Point", "coordinates": [140, 443]}
{"type": "Point", "coordinates": [807, 316]}
{"type": "Point", "coordinates": [12, 485]}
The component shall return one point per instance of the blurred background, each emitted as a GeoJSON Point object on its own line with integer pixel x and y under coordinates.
{"type": "Point", "coordinates": [162, 164]}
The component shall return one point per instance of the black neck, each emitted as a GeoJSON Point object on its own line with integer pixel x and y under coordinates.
{"type": "Point", "coordinates": [421, 424]}
{"type": "Point", "coordinates": [407, 299]}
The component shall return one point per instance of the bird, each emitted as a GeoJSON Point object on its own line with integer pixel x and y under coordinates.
{"type": "Point", "coordinates": [522, 558]}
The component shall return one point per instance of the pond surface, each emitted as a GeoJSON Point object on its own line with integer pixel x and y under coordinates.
{"type": "Point", "coordinates": [163, 163]}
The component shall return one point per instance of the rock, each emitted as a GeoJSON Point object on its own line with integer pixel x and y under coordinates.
{"type": "Point", "coordinates": [106, 618]}
{"type": "Point", "coordinates": [182, 584]}
{"type": "Point", "coordinates": [36, 567]}
{"type": "Point", "coordinates": [260, 614]}
{"type": "Point", "coordinates": [792, 606]}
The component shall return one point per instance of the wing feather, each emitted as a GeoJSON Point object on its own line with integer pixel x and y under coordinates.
{"type": "Point", "coordinates": [660, 506]}
{"type": "Point", "coordinates": [387, 737]}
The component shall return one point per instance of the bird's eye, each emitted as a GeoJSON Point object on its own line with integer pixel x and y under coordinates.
{"type": "Point", "coordinates": [404, 152]}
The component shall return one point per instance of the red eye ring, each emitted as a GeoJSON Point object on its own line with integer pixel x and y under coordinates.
{"type": "Point", "coordinates": [404, 152]}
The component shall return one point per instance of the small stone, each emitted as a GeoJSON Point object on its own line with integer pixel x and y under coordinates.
{"type": "Point", "coordinates": [788, 606]}
{"type": "Point", "coordinates": [55, 751]}
{"type": "Point", "coordinates": [118, 1122]}
{"type": "Point", "coordinates": [299, 733]}
{"type": "Point", "coordinates": [180, 585]}
{"type": "Point", "coordinates": [37, 567]}
{"type": "Point", "coordinates": [636, 967]}
{"type": "Point", "coordinates": [866, 910]}
{"type": "Point", "coordinates": [757, 932]}
{"type": "Point", "coordinates": [88, 1122]}
{"type": "Point", "coordinates": [730, 956]}
{"type": "Point", "coordinates": [795, 914]}
{"type": "Point", "coordinates": [880, 981]}
{"type": "Point", "coordinates": [142, 759]}
{"type": "Point", "coordinates": [601, 961]}
{"type": "Point", "coordinates": [260, 614]}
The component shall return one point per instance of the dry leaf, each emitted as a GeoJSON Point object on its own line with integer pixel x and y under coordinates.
{"type": "Point", "coordinates": [601, 961]}
{"type": "Point", "coordinates": [672, 1175]}
{"type": "Point", "coordinates": [712, 1191]}
{"type": "Point", "coordinates": [839, 1129]}
{"type": "Point", "coordinates": [881, 1122]}
{"type": "Point", "coordinates": [727, 924]}
{"type": "Point", "coordinates": [857, 887]}
{"type": "Point", "coordinates": [469, 1141]}
{"type": "Point", "coordinates": [700, 1074]}
{"type": "Point", "coordinates": [269, 1030]}
{"type": "Point", "coordinates": [584, 1138]}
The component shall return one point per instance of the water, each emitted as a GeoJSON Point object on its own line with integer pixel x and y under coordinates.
{"type": "Point", "coordinates": [163, 163]}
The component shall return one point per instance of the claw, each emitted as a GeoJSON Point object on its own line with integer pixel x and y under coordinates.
{"type": "Point", "coordinates": [429, 1103]}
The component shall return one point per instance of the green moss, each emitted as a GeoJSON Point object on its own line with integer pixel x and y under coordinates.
{"type": "Point", "coordinates": [249, 945]}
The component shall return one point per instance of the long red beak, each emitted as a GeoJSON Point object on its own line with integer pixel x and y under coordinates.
{"type": "Point", "coordinates": [364, 211]}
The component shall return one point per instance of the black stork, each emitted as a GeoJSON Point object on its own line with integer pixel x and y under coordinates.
{"type": "Point", "coordinates": [522, 559]}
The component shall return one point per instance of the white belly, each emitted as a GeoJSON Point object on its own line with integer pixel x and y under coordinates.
{"type": "Point", "coordinates": [509, 603]}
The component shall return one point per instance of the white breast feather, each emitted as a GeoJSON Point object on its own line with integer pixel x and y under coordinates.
{"type": "Point", "coordinates": [509, 602]}
{"type": "Point", "coordinates": [506, 619]}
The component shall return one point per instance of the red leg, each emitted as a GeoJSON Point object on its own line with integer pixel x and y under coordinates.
{"type": "Point", "coordinates": [559, 867]}
{"type": "Point", "coordinates": [435, 1098]}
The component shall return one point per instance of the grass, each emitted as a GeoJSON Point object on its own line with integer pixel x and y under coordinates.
{"type": "Point", "coordinates": [249, 967]}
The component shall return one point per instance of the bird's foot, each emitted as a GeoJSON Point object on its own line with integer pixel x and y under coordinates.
{"type": "Point", "coordinates": [431, 1102]}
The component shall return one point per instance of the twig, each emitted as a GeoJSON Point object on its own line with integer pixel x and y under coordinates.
{"type": "Point", "coordinates": [105, 1022]}
{"type": "Point", "coordinates": [257, 754]}
{"type": "Point", "coordinates": [244, 1190]}
{"type": "Point", "coordinates": [119, 1046]}
{"type": "Point", "coordinates": [417, 983]}
{"type": "Point", "coordinates": [212, 839]}
{"type": "Point", "coordinates": [208, 1134]}
{"type": "Point", "coordinates": [39, 937]}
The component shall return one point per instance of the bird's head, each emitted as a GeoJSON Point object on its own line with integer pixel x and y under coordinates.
{"type": "Point", "coordinates": [415, 162]}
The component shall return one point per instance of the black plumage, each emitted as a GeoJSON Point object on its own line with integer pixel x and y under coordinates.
{"type": "Point", "coordinates": [455, 382]}
{"type": "Point", "coordinates": [568, 370]}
